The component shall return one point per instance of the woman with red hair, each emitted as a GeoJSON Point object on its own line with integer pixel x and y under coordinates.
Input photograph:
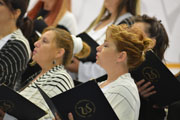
{"type": "Point", "coordinates": [53, 13]}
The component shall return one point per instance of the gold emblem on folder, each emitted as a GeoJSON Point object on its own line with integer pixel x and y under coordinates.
{"type": "Point", "coordinates": [151, 74]}
{"type": "Point", "coordinates": [85, 108]}
{"type": "Point", "coordinates": [6, 105]}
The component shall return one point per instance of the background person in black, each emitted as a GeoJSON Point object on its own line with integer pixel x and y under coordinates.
{"type": "Point", "coordinates": [174, 108]}
{"type": "Point", "coordinates": [154, 29]}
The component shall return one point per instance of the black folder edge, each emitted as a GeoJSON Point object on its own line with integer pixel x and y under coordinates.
{"type": "Point", "coordinates": [49, 102]}
{"type": "Point", "coordinates": [178, 76]}
{"type": "Point", "coordinates": [3, 86]}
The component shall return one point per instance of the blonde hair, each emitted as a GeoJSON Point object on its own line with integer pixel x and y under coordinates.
{"type": "Point", "coordinates": [64, 40]}
{"type": "Point", "coordinates": [98, 19]}
{"type": "Point", "coordinates": [84, 52]}
{"type": "Point", "coordinates": [132, 41]}
{"type": "Point", "coordinates": [131, 6]}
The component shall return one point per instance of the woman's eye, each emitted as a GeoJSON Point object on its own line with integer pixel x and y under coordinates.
{"type": "Point", "coordinates": [44, 40]}
{"type": "Point", "coordinates": [105, 45]}
{"type": "Point", "coordinates": [1, 3]}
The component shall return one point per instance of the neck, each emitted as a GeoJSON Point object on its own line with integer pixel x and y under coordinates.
{"type": "Point", "coordinates": [46, 68]}
{"type": "Point", "coordinates": [7, 29]}
{"type": "Point", "coordinates": [115, 14]}
{"type": "Point", "coordinates": [114, 73]}
{"type": "Point", "coordinates": [43, 71]}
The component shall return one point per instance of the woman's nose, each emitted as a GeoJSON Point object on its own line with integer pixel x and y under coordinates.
{"type": "Point", "coordinates": [36, 44]}
{"type": "Point", "coordinates": [98, 49]}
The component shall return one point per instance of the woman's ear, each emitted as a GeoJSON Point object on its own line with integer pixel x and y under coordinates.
{"type": "Point", "coordinates": [153, 44]}
{"type": "Point", "coordinates": [60, 52]}
{"type": "Point", "coordinates": [122, 56]}
{"type": "Point", "coordinates": [17, 13]}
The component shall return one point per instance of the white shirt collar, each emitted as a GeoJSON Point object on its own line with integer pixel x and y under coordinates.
{"type": "Point", "coordinates": [4, 40]}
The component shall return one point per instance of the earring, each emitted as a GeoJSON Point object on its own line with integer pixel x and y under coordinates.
{"type": "Point", "coordinates": [54, 62]}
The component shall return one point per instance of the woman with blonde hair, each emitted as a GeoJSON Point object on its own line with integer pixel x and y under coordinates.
{"type": "Point", "coordinates": [48, 13]}
{"type": "Point", "coordinates": [53, 51]}
{"type": "Point", "coordinates": [113, 12]}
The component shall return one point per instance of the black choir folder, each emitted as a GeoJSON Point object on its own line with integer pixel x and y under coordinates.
{"type": "Point", "coordinates": [18, 106]}
{"type": "Point", "coordinates": [86, 102]}
{"type": "Point", "coordinates": [92, 43]}
{"type": "Point", "coordinates": [166, 85]}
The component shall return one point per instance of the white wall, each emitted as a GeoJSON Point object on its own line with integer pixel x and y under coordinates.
{"type": "Point", "coordinates": [85, 12]}
{"type": "Point", "coordinates": [169, 12]}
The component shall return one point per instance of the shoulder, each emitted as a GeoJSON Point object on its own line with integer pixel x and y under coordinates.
{"type": "Point", "coordinates": [69, 15]}
{"type": "Point", "coordinates": [14, 48]}
{"type": "Point", "coordinates": [59, 73]}
{"type": "Point", "coordinates": [18, 36]}
{"type": "Point", "coordinates": [125, 19]}
{"type": "Point", "coordinates": [69, 21]}
{"type": "Point", "coordinates": [124, 86]}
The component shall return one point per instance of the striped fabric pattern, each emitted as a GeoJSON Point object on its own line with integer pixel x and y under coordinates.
{"type": "Point", "coordinates": [128, 21]}
{"type": "Point", "coordinates": [14, 57]}
{"type": "Point", "coordinates": [123, 97]}
{"type": "Point", "coordinates": [53, 82]}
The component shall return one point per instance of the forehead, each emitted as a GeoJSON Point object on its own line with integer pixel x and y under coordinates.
{"type": "Point", "coordinates": [108, 33]}
{"type": "Point", "coordinates": [49, 34]}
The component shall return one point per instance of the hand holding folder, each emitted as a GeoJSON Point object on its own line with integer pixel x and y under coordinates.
{"type": "Point", "coordinates": [145, 89]}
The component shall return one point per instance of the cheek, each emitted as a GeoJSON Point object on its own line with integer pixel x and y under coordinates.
{"type": "Point", "coordinates": [4, 15]}
{"type": "Point", "coordinates": [102, 57]}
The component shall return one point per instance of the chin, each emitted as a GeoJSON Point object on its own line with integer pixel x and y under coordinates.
{"type": "Point", "coordinates": [33, 58]}
{"type": "Point", "coordinates": [97, 62]}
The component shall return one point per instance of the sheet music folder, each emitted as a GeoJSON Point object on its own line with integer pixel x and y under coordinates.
{"type": "Point", "coordinates": [92, 43]}
{"type": "Point", "coordinates": [18, 106]}
{"type": "Point", "coordinates": [86, 102]}
{"type": "Point", "coordinates": [166, 84]}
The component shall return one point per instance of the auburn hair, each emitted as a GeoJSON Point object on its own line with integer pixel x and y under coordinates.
{"type": "Point", "coordinates": [132, 41]}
